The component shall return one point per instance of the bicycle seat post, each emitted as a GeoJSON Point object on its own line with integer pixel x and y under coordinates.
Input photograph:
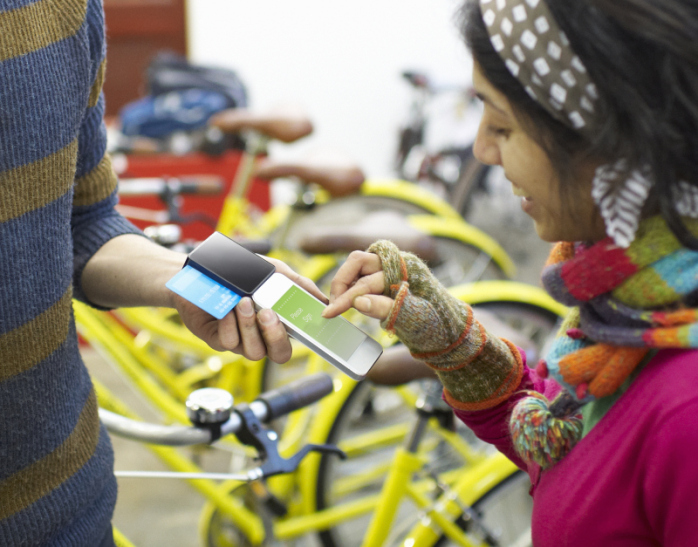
{"type": "Point", "coordinates": [428, 406]}
{"type": "Point", "coordinates": [258, 129]}
{"type": "Point", "coordinates": [256, 144]}
{"type": "Point", "coordinates": [304, 201]}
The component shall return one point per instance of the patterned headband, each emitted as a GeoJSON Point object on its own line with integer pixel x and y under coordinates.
{"type": "Point", "coordinates": [538, 54]}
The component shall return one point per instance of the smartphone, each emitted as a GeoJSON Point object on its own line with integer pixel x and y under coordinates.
{"type": "Point", "coordinates": [336, 340]}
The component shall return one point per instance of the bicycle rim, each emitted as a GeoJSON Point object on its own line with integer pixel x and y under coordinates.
{"type": "Point", "coordinates": [505, 512]}
{"type": "Point", "coordinates": [456, 262]}
{"type": "Point", "coordinates": [459, 262]}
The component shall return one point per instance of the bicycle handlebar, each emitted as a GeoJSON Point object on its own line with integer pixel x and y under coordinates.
{"type": "Point", "coordinates": [200, 184]}
{"type": "Point", "coordinates": [268, 406]}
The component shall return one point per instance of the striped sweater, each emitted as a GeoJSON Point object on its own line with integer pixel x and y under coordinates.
{"type": "Point", "coordinates": [57, 192]}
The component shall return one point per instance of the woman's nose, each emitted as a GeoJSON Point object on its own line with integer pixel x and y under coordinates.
{"type": "Point", "coordinates": [485, 148]}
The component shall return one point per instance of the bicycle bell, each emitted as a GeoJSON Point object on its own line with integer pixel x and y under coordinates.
{"type": "Point", "coordinates": [209, 405]}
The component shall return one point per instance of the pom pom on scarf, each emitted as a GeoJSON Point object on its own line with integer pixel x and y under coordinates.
{"type": "Point", "coordinates": [542, 432]}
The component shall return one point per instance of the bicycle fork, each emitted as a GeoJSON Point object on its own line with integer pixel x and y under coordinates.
{"type": "Point", "coordinates": [404, 465]}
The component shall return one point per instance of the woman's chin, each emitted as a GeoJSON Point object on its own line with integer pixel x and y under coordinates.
{"type": "Point", "coordinates": [548, 233]}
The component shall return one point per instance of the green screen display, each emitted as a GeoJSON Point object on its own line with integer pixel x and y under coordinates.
{"type": "Point", "coordinates": [303, 311]}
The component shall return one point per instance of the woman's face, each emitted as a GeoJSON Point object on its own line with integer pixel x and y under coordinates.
{"type": "Point", "coordinates": [502, 141]}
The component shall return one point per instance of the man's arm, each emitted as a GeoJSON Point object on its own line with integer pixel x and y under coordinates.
{"type": "Point", "coordinates": [130, 270]}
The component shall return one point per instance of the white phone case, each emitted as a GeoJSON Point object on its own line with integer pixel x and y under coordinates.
{"type": "Point", "coordinates": [363, 357]}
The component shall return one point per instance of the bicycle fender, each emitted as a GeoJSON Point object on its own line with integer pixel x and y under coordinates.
{"type": "Point", "coordinates": [462, 231]}
{"type": "Point", "coordinates": [410, 192]}
{"type": "Point", "coordinates": [480, 292]}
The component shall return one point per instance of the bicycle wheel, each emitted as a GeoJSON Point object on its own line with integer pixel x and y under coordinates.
{"type": "Point", "coordinates": [456, 262]}
{"type": "Point", "coordinates": [534, 327]}
{"type": "Point", "coordinates": [504, 512]}
{"type": "Point", "coordinates": [368, 428]}
{"type": "Point", "coordinates": [375, 419]}
{"type": "Point", "coordinates": [459, 262]}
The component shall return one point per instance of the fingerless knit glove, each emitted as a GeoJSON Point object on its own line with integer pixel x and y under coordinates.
{"type": "Point", "coordinates": [477, 370]}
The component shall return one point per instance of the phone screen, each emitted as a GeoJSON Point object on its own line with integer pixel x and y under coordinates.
{"type": "Point", "coordinates": [303, 311]}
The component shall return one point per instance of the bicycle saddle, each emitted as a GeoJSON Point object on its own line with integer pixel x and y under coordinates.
{"type": "Point", "coordinates": [285, 126]}
{"type": "Point", "coordinates": [374, 226]}
{"type": "Point", "coordinates": [339, 178]}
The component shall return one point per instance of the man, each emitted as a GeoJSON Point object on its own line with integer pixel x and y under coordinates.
{"type": "Point", "coordinates": [60, 238]}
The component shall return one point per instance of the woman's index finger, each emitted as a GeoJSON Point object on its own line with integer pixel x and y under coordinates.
{"type": "Point", "coordinates": [357, 265]}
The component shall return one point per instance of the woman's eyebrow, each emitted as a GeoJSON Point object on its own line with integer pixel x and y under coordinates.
{"type": "Point", "coordinates": [485, 99]}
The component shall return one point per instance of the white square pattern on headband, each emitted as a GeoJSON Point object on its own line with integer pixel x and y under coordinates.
{"type": "Point", "coordinates": [525, 34]}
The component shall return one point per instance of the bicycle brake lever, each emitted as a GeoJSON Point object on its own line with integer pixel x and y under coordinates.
{"type": "Point", "coordinates": [276, 466]}
{"type": "Point", "coordinates": [253, 433]}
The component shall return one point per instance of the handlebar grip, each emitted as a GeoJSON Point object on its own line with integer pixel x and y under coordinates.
{"type": "Point", "coordinates": [297, 394]}
{"type": "Point", "coordinates": [200, 185]}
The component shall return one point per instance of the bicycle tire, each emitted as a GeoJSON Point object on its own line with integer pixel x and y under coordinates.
{"type": "Point", "coordinates": [462, 262]}
{"type": "Point", "coordinates": [505, 511]}
{"type": "Point", "coordinates": [540, 322]}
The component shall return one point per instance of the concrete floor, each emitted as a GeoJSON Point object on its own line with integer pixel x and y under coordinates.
{"type": "Point", "coordinates": [165, 512]}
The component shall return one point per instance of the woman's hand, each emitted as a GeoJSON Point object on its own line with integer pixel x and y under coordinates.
{"type": "Point", "coordinates": [359, 283]}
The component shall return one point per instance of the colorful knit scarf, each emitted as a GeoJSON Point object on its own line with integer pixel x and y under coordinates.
{"type": "Point", "coordinates": [625, 302]}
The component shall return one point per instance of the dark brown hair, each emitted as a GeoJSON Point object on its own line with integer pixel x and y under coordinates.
{"type": "Point", "coordinates": [643, 57]}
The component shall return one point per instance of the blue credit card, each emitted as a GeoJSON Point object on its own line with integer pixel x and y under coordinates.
{"type": "Point", "coordinates": [204, 292]}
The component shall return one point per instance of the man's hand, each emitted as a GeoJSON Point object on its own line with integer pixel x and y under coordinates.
{"type": "Point", "coordinates": [359, 283]}
{"type": "Point", "coordinates": [131, 270]}
{"type": "Point", "coordinates": [242, 331]}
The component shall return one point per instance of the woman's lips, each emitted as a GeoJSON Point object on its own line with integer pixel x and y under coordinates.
{"type": "Point", "coordinates": [527, 205]}
{"type": "Point", "coordinates": [526, 201]}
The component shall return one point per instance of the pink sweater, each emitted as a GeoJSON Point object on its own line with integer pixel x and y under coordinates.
{"type": "Point", "coordinates": [633, 480]}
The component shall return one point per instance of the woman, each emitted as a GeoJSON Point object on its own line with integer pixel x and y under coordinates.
{"type": "Point", "coordinates": [591, 108]}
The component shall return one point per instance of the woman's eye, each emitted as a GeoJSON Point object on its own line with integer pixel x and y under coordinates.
{"type": "Point", "coordinates": [499, 131]}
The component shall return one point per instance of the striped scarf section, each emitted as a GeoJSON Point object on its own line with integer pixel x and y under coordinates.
{"type": "Point", "coordinates": [625, 302]}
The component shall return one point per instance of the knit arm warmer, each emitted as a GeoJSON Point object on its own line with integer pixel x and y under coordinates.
{"type": "Point", "coordinates": [477, 370]}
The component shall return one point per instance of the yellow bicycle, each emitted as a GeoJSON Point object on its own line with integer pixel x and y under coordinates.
{"type": "Point", "coordinates": [455, 505]}
{"type": "Point", "coordinates": [316, 485]}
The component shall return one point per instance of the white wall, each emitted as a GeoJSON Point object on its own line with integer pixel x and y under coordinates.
{"type": "Point", "coordinates": [340, 61]}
